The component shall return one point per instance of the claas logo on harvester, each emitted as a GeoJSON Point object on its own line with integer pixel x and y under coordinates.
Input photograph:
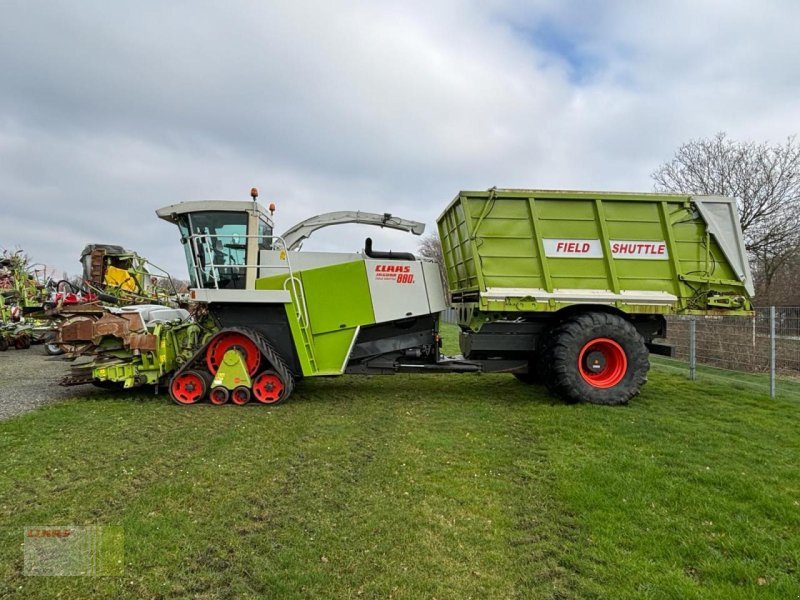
{"type": "Point", "coordinates": [403, 273]}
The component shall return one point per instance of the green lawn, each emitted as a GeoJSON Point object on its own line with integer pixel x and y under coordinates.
{"type": "Point", "coordinates": [445, 486]}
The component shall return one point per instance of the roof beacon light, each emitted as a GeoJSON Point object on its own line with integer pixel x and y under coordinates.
{"type": "Point", "coordinates": [254, 193]}
{"type": "Point", "coordinates": [271, 208]}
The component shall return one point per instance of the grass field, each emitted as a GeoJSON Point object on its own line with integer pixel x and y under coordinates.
{"type": "Point", "coordinates": [417, 487]}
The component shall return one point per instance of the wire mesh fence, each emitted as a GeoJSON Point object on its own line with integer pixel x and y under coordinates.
{"type": "Point", "coordinates": [762, 351]}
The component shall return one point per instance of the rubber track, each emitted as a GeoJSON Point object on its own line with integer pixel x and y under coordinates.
{"type": "Point", "coordinates": [561, 343]}
{"type": "Point", "coordinates": [268, 352]}
{"type": "Point", "coordinates": [273, 358]}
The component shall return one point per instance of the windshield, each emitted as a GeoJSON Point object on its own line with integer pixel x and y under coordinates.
{"type": "Point", "coordinates": [215, 246]}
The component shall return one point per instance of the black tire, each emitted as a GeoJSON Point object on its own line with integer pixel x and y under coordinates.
{"type": "Point", "coordinates": [53, 349]}
{"type": "Point", "coordinates": [3, 343]}
{"type": "Point", "coordinates": [619, 374]}
{"type": "Point", "coordinates": [23, 342]}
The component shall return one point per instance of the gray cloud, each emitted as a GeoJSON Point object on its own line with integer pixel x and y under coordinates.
{"type": "Point", "coordinates": [110, 110]}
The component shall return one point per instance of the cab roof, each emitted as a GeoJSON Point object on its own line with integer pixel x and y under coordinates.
{"type": "Point", "coordinates": [170, 213]}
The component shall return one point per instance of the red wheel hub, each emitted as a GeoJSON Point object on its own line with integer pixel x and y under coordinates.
{"type": "Point", "coordinates": [268, 387]}
{"type": "Point", "coordinates": [232, 339]}
{"type": "Point", "coordinates": [187, 388]}
{"type": "Point", "coordinates": [602, 363]}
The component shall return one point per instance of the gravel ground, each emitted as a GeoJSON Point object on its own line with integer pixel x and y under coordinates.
{"type": "Point", "coordinates": [29, 379]}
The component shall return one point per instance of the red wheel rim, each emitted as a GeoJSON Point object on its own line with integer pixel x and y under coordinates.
{"type": "Point", "coordinates": [232, 339]}
{"type": "Point", "coordinates": [219, 395]}
{"type": "Point", "coordinates": [268, 387]}
{"type": "Point", "coordinates": [187, 388]}
{"type": "Point", "coordinates": [240, 396]}
{"type": "Point", "coordinates": [602, 363]}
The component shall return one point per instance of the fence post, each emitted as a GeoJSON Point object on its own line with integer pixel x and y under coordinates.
{"type": "Point", "coordinates": [772, 352]}
{"type": "Point", "coordinates": [693, 348]}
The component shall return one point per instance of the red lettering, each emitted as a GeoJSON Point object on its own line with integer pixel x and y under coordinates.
{"type": "Point", "coordinates": [560, 246]}
{"type": "Point", "coordinates": [392, 269]}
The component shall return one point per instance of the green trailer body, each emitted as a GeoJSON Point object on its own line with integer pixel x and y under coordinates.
{"type": "Point", "coordinates": [542, 251]}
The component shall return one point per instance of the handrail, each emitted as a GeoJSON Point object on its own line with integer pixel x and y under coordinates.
{"type": "Point", "coordinates": [297, 286]}
{"type": "Point", "coordinates": [203, 241]}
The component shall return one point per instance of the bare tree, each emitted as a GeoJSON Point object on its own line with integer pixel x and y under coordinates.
{"type": "Point", "coordinates": [430, 248]}
{"type": "Point", "coordinates": [765, 180]}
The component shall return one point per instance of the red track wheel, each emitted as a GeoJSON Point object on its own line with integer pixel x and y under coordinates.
{"type": "Point", "coordinates": [232, 339]}
{"type": "Point", "coordinates": [268, 388]}
{"type": "Point", "coordinates": [219, 395]}
{"type": "Point", "coordinates": [240, 395]}
{"type": "Point", "coordinates": [188, 387]}
{"type": "Point", "coordinates": [602, 363]}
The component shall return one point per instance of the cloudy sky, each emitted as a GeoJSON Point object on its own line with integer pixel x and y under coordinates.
{"type": "Point", "coordinates": [109, 110]}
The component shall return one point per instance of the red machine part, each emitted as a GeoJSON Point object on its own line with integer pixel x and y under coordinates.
{"type": "Point", "coordinates": [602, 363]}
{"type": "Point", "coordinates": [228, 340]}
{"type": "Point", "coordinates": [188, 387]}
{"type": "Point", "coordinates": [268, 388]}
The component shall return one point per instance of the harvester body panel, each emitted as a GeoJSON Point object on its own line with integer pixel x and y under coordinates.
{"type": "Point", "coordinates": [333, 300]}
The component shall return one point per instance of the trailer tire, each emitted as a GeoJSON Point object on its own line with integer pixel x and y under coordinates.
{"type": "Point", "coordinates": [595, 357]}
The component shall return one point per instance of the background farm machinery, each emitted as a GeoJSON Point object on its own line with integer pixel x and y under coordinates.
{"type": "Point", "coordinates": [35, 308]}
{"type": "Point", "coordinates": [21, 294]}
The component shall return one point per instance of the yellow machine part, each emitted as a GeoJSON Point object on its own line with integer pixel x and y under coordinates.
{"type": "Point", "coordinates": [120, 278]}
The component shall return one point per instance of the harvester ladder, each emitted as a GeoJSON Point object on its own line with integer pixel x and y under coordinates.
{"type": "Point", "coordinates": [302, 318]}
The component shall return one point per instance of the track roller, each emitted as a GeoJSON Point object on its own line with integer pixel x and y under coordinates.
{"type": "Point", "coordinates": [189, 387]}
{"type": "Point", "coordinates": [240, 395]}
{"type": "Point", "coordinates": [268, 388]}
{"type": "Point", "coordinates": [219, 395]}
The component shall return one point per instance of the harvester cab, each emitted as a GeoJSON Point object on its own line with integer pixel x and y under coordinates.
{"type": "Point", "coordinates": [222, 241]}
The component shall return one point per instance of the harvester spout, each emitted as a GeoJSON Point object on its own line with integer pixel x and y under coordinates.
{"type": "Point", "coordinates": [295, 236]}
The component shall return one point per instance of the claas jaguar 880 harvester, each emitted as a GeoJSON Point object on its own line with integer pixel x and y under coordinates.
{"type": "Point", "coordinates": [570, 289]}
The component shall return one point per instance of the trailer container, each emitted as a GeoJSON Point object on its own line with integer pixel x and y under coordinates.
{"type": "Point", "coordinates": [580, 281]}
